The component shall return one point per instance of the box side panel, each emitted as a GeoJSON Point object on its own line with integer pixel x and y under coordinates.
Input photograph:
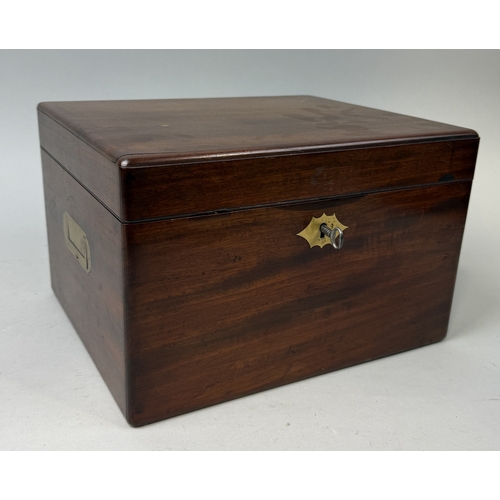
{"type": "Point", "coordinates": [92, 300]}
{"type": "Point", "coordinates": [153, 192]}
{"type": "Point", "coordinates": [226, 305]}
{"type": "Point", "coordinates": [98, 174]}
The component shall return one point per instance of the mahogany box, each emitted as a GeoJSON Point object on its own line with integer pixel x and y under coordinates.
{"type": "Point", "coordinates": [207, 249]}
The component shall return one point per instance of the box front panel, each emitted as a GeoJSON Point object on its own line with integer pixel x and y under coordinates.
{"type": "Point", "coordinates": [155, 192]}
{"type": "Point", "coordinates": [227, 305]}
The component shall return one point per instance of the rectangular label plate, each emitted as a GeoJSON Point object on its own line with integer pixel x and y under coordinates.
{"type": "Point", "coordinates": [76, 241]}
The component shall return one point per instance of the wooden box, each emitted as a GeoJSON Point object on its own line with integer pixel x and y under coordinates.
{"type": "Point", "coordinates": [187, 247]}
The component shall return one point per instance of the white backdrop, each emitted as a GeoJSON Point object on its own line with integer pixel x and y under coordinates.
{"type": "Point", "coordinates": [445, 396]}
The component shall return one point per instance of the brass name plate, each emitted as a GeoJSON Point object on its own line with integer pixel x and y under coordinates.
{"type": "Point", "coordinates": [76, 241]}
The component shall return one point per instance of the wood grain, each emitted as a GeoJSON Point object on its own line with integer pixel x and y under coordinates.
{"type": "Point", "coordinates": [201, 155]}
{"type": "Point", "coordinates": [200, 290]}
{"type": "Point", "coordinates": [226, 305]}
{"type": "Point", "coordinates": [99, 175]}
{"type": "Point", "coordinates": [93, 302]}
{"type": "Point", "coordinates": [154, 192]}
{"type": "Point", "coordinates": [178, 130]}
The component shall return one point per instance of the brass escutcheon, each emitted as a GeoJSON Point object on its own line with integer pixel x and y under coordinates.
{"type": "Point", "coordinates": [324, 230]}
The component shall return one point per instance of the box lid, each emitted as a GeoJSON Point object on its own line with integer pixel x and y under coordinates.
{"type": "Point", "coordinates": [147, 159]}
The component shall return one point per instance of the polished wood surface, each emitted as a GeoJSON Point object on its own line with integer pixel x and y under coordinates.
{"type": "Point", "coordinates": [153, 192]}
{"type": "Point", "coordinates": [244, 151]}
{"type": "Point", "coordinates": [226, 305]}
{"type": "Point", "coordinates": [169, 130]}
{"type": "Point", "coordinates": [184, 313]}
{"type": "Point", "coordinates": [94, 301]}
{"type": "Point", "coordinates": [99, 175]}
{"type": "Point", "coordinates": [200, 290]}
